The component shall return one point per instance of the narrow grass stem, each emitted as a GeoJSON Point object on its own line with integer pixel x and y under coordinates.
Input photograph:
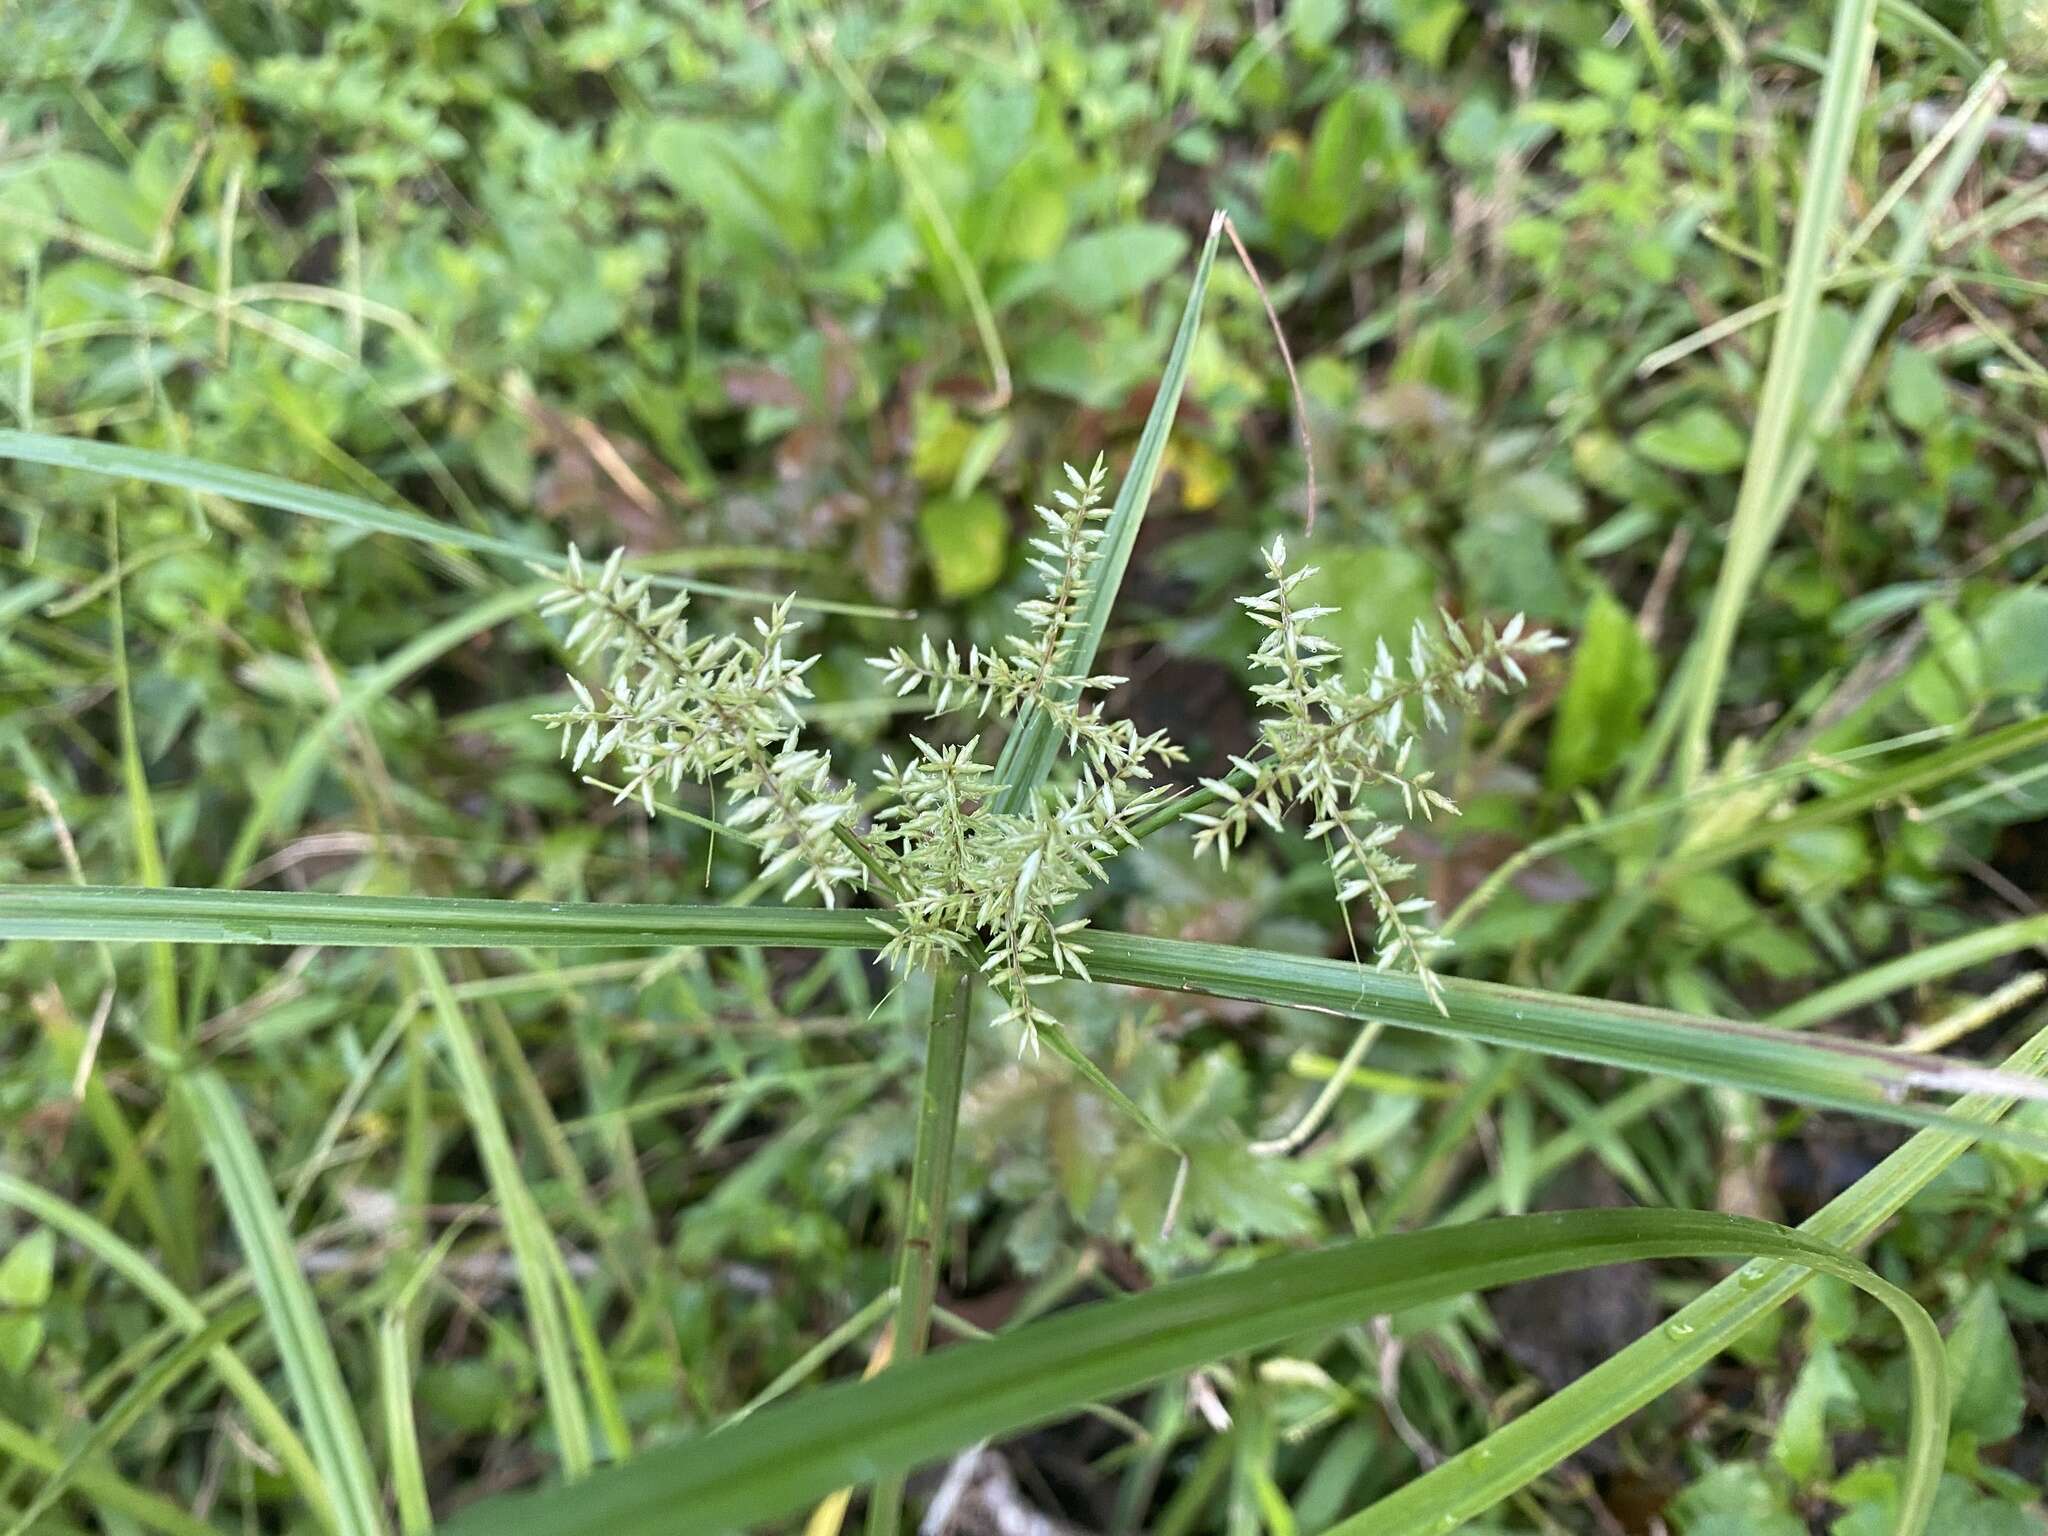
{"type": "Point", "coordinates": [924, 1215]}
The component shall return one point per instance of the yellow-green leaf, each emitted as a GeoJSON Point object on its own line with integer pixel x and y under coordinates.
{"type": "Point", "coordinates": [1701, 441]}
{"type": "Point", "coordinates": [25, 1272]}
{"type": "Point", "coordinates": [1613, 678]}
{"type": "Point", "coordinates": [966, 539]}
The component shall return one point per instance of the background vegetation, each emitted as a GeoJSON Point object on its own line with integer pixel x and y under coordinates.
{"type": "Point", "coordinates": [811, 303]}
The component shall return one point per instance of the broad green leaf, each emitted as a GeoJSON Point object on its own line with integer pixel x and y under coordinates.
{"type": "Point", "coordinates": [1426, 28]}
{"type": "Point", "coordinates": [1817, 862]}
{"type": "Point", "coordinates": [1983, 1361]}
{"type": "Point", "coordinates": [1531, 494]}
{"type": "Point", "coordinates": [1947, 683]}
{"type": "Point", "coordinates": [1438, 357]}
{"type": "Point", "coordinates": [707, 164]}
{"type": "Point", "coordinates": [966, 539]}
{"type": "Point", "coordinates": [1354, 154]}
{"type": "Point", "coordinates": [504, 452]}
{"type": "Point", "coordinates": [469, 1395]}
{"type": "Point", "coordinates": [1509, 567]}
{"type": "Point", "coordinates": [1475, 135]}
{"type": "Point", "coordinates": [1735, 1500]}
{"type": "Point", "coordinates": [1871, 1492]}
{"type": "Point", "coordinates": [25, 1272]}
{"type": "Point", "coordinates": [2013, 634]}
{"type": "Point", "coordinates": [1913, 388]}
{"type": "Point", "coordinates": [1612, 681]}
{"type": "Point", "coordinates": [1100, 271]}
{"type": "Point", "coordinates": [100, 198]}
{"type": "Point", "coordinates": [1315, 22]}
{"type": "Point", "coordinates": [1820, 1402]}
{"type": "Point", "coordinates": [1608, 72]}
{"type": "Point", "coordinates": [21, 1339]}
{"type": "Point", "coordinates": [1699, 440]}
{"type": "Point", "coordinates": [1379, 592]}
{"type": "Point", "coordinates": [788, 1456]}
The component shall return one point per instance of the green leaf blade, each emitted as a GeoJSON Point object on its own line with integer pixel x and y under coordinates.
{"type": "Point", "coordinates": [787, 1456]}
{"type": "Point", "coordinates": [1753, 1058]}
{"type": "Point", "coordinates": [326, 1410]}
{"type": "Point", "coordinates": [1482, 1475]}
{"type": "Point", "coordinates": [1028, 753]}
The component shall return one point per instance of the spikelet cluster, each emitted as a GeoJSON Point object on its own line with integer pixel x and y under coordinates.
{"type": "Point", "coordinates": [1028, 670]}
{"type": "Point", "coordinates": [977, 877]}
{"type": "Point", "coordinates": [719, 708]}
{"type": "Point", "coordinates": [1325, 747]}
{"type": "Point", "coordinates": [991, 887]}
{"type": "Point", "coordinates": [1002, 879]}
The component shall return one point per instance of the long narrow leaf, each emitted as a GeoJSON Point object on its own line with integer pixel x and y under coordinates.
{"type": "Point", "coordinates": [313, 748]}
{"type": "Point", "coordinates": [250, 487]}
{"type": "Point", "coordinates": [272, 1428]}
{"type": "Point", "coordinates": [110, 1493]}
{"type": "Point", "coordinates": [401, 1435]}
{"type": "Point", "coordinates": [1840, 1074]}
{"type": "Point", "coordinates": [1820, 203]}
{"type": "Point", "coordinates": [1028, 752]}
{"type": "Point", "coordinates": [148, 1390]}
{"type": "Point", "coordinates": [1755, 1058]}
{"type": "Point", "coordinates": [181, 1146]}
{"type": "Point", "coordinates": [253, 488]}
{"type": "Point", "coordinates": [532, 1243]}
{"type": "Point", "coordinates": [184, 916]}
{"type": "Point", "coordinates": [1921, 968]}
{"type": "Point", "coordinates": [1475, 1479]}
{"type": "Point", "coordinates": [787, 1456]}
{"type": "Point", "coordinates": [325, 1407]}
{"type": "Point", "coordinates": [1891, 786]}
{"type": "Point", "coordinates": [1621, 908]}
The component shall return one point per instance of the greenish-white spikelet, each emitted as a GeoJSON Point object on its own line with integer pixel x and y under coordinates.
{"type": "Point", "coordinates": [1028, 670]}
{"type": "Point", "coordinates": [722, 708]}
{"type": "Point", "coordinates": [930, 829]}
{"type": "Point", "coordinates": [1043, 860]}
{"type": "Point", "coordinates": [1008, 876]}
{"type": "Point", "coordinates": [1326, 745]}
{"type": "Point", "coordinates": [993, 888]}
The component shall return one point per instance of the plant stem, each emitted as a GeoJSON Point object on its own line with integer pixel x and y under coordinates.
{"type": "Point", "coordinates": [924, 1218]}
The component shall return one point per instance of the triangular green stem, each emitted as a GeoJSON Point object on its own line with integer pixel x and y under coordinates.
{"type": "Point", "coordinates": [924, 1214]}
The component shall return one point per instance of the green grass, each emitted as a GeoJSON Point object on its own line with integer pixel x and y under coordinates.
{"type": "Point", "coordinates": [380, 1193]}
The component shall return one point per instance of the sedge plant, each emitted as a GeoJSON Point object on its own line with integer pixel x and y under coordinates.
{"type": "Point", "coordinates": [978, 893]}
